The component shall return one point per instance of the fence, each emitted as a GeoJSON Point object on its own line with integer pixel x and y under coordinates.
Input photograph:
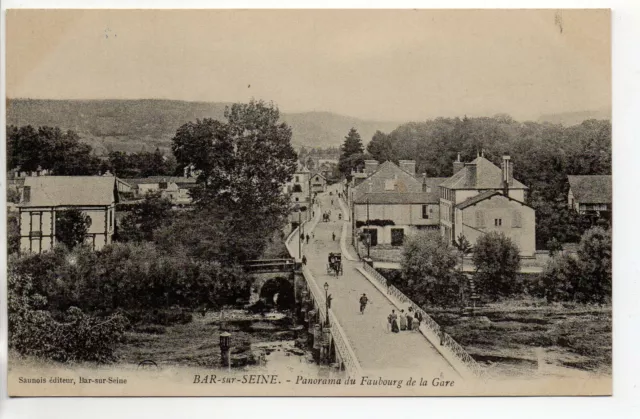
{"type": "Point", "coordinates": [351, 363]}
{"type": "Point", "coordinates": [445, 340]}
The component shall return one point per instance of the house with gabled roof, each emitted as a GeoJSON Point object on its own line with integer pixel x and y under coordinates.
{"type": "Point", "coordinates": [317, 182]}
{"type": "Point", "coordinates": [392, 202]}
{"type": "Point", "coordinates": [481, 197]}
{"type": "Point", "coordinates": [591, 195]}
{"type": "Point", "coordinates": [43, 197]}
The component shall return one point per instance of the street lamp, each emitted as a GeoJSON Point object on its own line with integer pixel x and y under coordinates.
{"type": "Point", "coordinates": [225, 346]}
{"type": "Point", "coordinates": [326, 300]}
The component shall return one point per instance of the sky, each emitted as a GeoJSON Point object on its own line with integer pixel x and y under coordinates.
{"type": "Point", "coordinates": [390, 65]}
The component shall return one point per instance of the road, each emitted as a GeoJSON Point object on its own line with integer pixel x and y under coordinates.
{"type": "Point", "coordinates": [377, 349]}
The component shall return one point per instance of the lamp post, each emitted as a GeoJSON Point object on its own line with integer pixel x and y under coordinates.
{"type": "Point", "coordinates": [225, 346]}
{"type": "Point", "coordinates": [301, 233]}
{"type": "Point", "coordinates": [326, 301]}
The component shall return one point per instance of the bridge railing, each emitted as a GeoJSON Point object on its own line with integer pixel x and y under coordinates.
{"type": "Point", "coordinates": [428, 322]}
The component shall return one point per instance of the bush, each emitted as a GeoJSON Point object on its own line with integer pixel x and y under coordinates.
{"type": "Point", "coordinates": [74, 337]}
{"type": "Point", "coordinates": [497, 259]}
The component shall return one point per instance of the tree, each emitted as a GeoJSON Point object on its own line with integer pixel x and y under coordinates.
{"type": "Point", "coordinates": [13, 234]}
{"type": "Point", "coordinates": [152, 213]}
{"type": "Point", "coordinates": [351, 153]}
{"type": "Point", "coordinates": [595, 277]}
{"type": "Point", "coordinates": [243, 166]}
{"type": "Point", "coordinates": [72, 226]}
{"type": "Point", "coordinates": [497, 261]}
{"type": "Point", "coordinates": [464, 248]}
{"type": "Point", "coordinates": [428, 270]}
{"type": "Point", "coordinates": [49, 148]}
{"type": "Point", "coordinates": [381, 147]}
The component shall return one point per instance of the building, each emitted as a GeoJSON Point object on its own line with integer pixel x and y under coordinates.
{"type": "Point", "coordinates": [298, 186]}
{"type": "Point", "coordinates": [480, 197]}
{"type": "Point", "coordinates": [45, 196]}
{"type": "Point", "coordinates": [392, 202]}
{"type": "Point", "coordinates": [591, 195]}
{"type": "Point", "coordinates": [174, 189]}
{"type": "Point", "coordinates": [318, 183]}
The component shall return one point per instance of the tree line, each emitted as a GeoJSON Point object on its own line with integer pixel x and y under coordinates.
{"type": "Point", "coordinates": [62, 153]}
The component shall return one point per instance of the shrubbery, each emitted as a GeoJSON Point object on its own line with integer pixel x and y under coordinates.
{"type": "Point", "coordinates": [585, 277]}
{"type": "Point", "coordinates": [72, 336]}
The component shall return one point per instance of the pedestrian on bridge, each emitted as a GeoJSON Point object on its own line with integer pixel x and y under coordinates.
{"type": "Point", "coordinates": [403, 320]}
{"type": "Point", "coordinates": [307, 237]}
{"type": "Point", "coordinates": [363, 303]}
{"type": "Point", "coordinates": [410, 319]}
{"type": "Point", "coordinates": [304, 259]}
{"type": "Point", "coordinates": [333, 236]}
{"type": "Point", "coordinates": [393, 321]}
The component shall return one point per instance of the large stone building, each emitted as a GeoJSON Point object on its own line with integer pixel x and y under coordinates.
{"type": "Point", "coordinates": [392, 203]}
{"type": "Point", "coordinates": [44, 197]}
{"type": "Point", "coordinates": [481, 197]}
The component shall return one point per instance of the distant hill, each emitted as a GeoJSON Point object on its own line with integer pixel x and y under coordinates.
{"type": "Point", "coordinates": [574, 118]}
{"type": "Point", "coordinates": [134, 125]}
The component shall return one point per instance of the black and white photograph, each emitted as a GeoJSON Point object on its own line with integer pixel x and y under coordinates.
{"type": "Point", "coordinates": [309, 202]}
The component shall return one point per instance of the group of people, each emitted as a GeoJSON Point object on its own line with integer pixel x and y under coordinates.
{"type": "Point", "coordinates": [404, 321]}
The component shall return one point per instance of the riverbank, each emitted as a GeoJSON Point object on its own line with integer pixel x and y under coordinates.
{"type": "Point", "coordinates": [256, 341]}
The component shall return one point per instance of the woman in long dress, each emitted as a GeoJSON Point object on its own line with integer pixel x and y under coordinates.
{"type": "Point", "coordinates": [403, 320]}
{"type": "Point", "coordinates": [393, 319]}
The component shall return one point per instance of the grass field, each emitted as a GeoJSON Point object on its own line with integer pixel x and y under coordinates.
{"type": "Point", "coordinates": [525, 336]}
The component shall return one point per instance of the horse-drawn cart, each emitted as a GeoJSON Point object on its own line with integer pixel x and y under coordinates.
{"type": "Point", "coordinates": [334, 265]}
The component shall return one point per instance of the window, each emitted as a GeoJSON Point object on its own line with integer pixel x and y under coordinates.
{"type": "Point", "coordinates": [397, 236]}
{"type": "Point", "coordinates": [425, 212]}
{"type": "Point", "coordinates": [373, 234]}
{"type": "Point", "coordinates": [498, 222]}
{"type": "Point", "coordinates": [479, 219]}
{"type": "Point", "coordinates": [297, 199]}
{"type": "Point", "coordinates": [163, 185]}
{"type": "Point", "coordinates": [389, 184]}
{"type": "Point", "coordinates": [26, 194]}
{"type": "Point", "coordinates": [297, 178]}
{"type": "Point", "coordinates": [110, 218]}
{"type": "Point", "coordinates": [297, 188]}
{"type": "Point", "coordinates": [516, 222]}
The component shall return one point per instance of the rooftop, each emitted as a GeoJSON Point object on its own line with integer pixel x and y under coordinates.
{"type": "Point", "coordinates": [52, 191]}
{"type": "Point", "coordinates": [593, 189]}
{"type": "Point", "coordinates": [479, 174]}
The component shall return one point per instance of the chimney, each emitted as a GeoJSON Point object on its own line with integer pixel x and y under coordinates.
{"type": "Point", "coordinates": [507, 174]}
{"type": "Point", "coordinates": [370, 166]}
{"type": "Point", "coordinates": [457, 165]}
{"type": "Point", "coordinates": [408, 166]}
{"type": "Point", "coordinates": [472, 173]}
{"type": "Point", "coordinates": [26, 194]}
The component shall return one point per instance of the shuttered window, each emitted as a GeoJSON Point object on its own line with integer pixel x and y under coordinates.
{"type": "Point", "coordinates": [517, 219]}
{"type": "Point", "coordinates": [479, 219]}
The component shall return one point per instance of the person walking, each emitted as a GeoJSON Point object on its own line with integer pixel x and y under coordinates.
{"type": "Point", "coordinates": [363, 303]}
{"type": "Point", "coordinates": [403, 320]}
{"type": "Point", "coordinates": [393, 320]}
{"type": "Point", "coordinates": [333, 236]}
{"type": "Point", "coordinates": [410, 319]}
{"type": "Point", "coordinates": [418, 320]}
{"type": "Point", "coordinates": [304, 259]}
{"type": "Point", "coordinates": [307, 237]}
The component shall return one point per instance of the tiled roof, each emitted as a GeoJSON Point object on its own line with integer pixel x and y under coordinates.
{"type": "Point", "coordinates": [481, 197]}
{"type": "Point", "coordinates": [387, 171]}
{"type": "Point", "coordinates": [594, 189]}
{"type": "Point", "coordinates": [51, 191]}
{"type": "Point", "coordinates": [479, 174]}
{"type": "Point", "coordinates": [433, 184]}
{"type": "Point", "coordinates": [395, 198]}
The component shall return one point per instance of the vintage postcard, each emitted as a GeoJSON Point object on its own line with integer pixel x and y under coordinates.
{"type": "Point", "coordinates": [308, 202]}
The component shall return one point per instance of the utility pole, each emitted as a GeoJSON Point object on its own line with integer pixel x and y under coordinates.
{"type": "Point", "coordinates": [300, 234]}
{"type": "Point", "coordinates": [368, 232]}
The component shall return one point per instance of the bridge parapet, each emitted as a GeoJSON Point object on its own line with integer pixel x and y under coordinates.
{"type": "Point", "coordinates": [429, 324]}
{"type": "Point", "coordinates": [341, 341]}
